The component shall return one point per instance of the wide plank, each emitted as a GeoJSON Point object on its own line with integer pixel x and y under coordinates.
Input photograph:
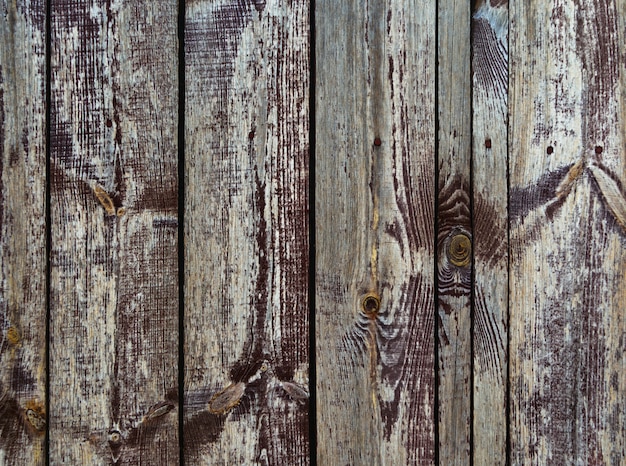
{"type": "Point", "coordinates": [567, 227]}
{"type": "Point", "coordinates": [22, 233]}
{"type": "Point", "coordinates": [246, 245]}
{"type": "Point", "coordinates": [454, 232]}
{"type": "Point", "coordinates": [374, 230]}
{"type": "Point", "coordinates": [114, 233]}
{"type": "Point", "coordinates": [490, 223]}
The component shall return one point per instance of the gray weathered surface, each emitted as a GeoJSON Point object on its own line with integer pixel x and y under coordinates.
{"type": "Point", "coordinates": [22, 233]}
{"type": "Point", "coordinates": [547, 341]}
{"type": "Point", "coordinates": [246, 232]}
{"type": "Point", "coordinates": [375, 136]}
{"type": "Point", "coordinates": [567, 213]}
{"type": "Point", "coordinates": [454, 232]}
{"type": "Point", "coordinates": [489, 179]}
{"type": "Point", "coordinates": [114, 265]}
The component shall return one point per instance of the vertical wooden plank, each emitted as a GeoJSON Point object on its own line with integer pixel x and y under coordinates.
{"type": "Point", "coordinates": [114, 271]}
{"type": "Point", "coordinates": [568, 232]}
{"type": "Point", "coordinates": [246, 232]}
{"type": "Point", "coordinates": [375, 136]}
{"type": "Point", "coordinates": [22, 232]}
{"type": "Point", "coordinates": [454, 232]}
{"type": "Point", "coordinates": [489, 191]}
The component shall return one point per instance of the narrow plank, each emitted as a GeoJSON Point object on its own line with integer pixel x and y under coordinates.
{"type": "Point", "coordinates": [454, 232]}
{"type": "Point", "coordinates": [114, 262]}
{"type": "Point", "coordinates": [490, 222]}
{"type": "Point", "coordinates": [567, 227]}
{"type": "Point", "coordinates": [375, 136]}
{"type": "Point", "coordinates": [22, 233]}
{"type": "Point", "coordinates": [246, 232]}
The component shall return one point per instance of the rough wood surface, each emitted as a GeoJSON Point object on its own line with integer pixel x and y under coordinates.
{"type": "Point", "coordinates": [114, 263]}
{"type": "Point", "coordinates": [454, 232]}
{"type": "Point", "coordinates": [375, 136]}
{"type": "Point", "coordinates": [489, 190]}
{"type": "Point", "coordinates": [246, 232]}
{"type": "Point", "coordinates": [568, 288]}
{"type": "Point", "coordinates": [22, 233]}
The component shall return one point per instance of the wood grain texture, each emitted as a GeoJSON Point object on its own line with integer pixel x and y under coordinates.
{"type": "Point", "coordinates": [489, 190]}
{"type": "Point", "coordinates": [567, 168]}
{"type": "Point", "coordinates": [375, 136]}
{"type": "Point", "coordinates": [114, 263]}
{"type": "Point", "coordinates": [454, 232]}
{"type": "Point", "coordinates": [22, 233]}
{"type": "Point", "coordinates": [246, 232]}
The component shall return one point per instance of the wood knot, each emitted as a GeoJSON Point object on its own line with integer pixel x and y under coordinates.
{"type": "Point", "coordinates": [228, 398]}
{"type": "Point", "coordinates": [13, 335]}
{"type": "Point", "coordinates": [36, 416]}
{"type": "Point", "coordinates": [115, 437]}
{"type": "Point", "coordinates": [371, 304]}
{"type": "Point", "coordinates": [460, 250]}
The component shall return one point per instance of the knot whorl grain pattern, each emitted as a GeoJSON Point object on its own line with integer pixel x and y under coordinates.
{"type": "Point", "coordinates": [460, 250]}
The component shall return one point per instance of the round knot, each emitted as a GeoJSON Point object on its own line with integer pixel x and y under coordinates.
{"type": "Point", "coordinates": [371, 304]}
{"type": "Point", "coordinates": [459, 251]}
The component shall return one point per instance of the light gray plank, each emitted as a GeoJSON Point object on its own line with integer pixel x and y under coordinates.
{"type": "Point", "coordinates": [22, 233]}
{"type": "Point", "coordinates": [567, 167]}
{"type": "Point", "coordinates": [454, 232]}
{"type": "Point", "coordinates": [375, 143]}
{"type": "Point", "coordinates": [114, 263]}
{"type": "Point", "coordinates": [490, 222]}
{"type": "Point", "coordinates": [246, 232]}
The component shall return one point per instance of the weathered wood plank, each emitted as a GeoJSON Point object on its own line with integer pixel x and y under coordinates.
{"type": "Point", "coordinates": [22, 233]}
{"type": "Point", "coordinates": [489, 191]}
{"type": "Point", "coordinates": [246, 232]}
{"type": "Point", "coordinates": [454, 232]}
{"type": "Point", "coordinates": [375, 137]}
{"type": "Point", "coordinates": [568, 287]}
{"type": "Point", "coordinates": [114, 263]}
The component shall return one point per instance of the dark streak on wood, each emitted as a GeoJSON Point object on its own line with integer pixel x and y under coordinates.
{"type": "Point", "coordinates": [541, 193]}
{"type": "Point", "coordinates": [489, 60]}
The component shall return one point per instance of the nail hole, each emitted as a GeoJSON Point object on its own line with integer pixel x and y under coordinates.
{"type": "Point", "coordinates": [550, 150]}
{"type": "Point", "coordinates": [109, 123]}
{"type": "Point", "coordinates": [488, 143]}
{"type": "Point", "coordinates": [377, 142]}
{"type": "Point", "coordinates": [371, 304]}
{"type": "Point", "coordinates": [599, 149]}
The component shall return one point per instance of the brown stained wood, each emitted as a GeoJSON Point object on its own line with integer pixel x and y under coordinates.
{"type": "Point", "coordinates": [246, 232]}
{"type": "Point", "coordinates": [454, 278]}
{"type": "Point", "coordinates": [22, 233]}
{"type": "Point", "coordinates": [567, 283]}
{"type": "Point", "coordinates": [114, 262]}
{"type": "Point", "coordinates": [489, 176]}
{"type": "Point", "coordinates": [375, 143]}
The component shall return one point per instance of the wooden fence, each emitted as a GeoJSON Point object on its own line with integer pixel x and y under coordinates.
{"type": "Point", "coordinates": [359, 232]}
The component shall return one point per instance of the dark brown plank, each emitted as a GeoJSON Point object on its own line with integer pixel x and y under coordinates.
{"type": "Point", "coordinates": [375, 316]}
{"type": "Point", "coordinates": [489, 179]}
{"type": "Point", "coordinates": [114, 292]}
{"type": "Point", "coordinates": [454, 234]}
{"type": "Point", "coordinates": [246, 232]}
{"type": "Point", "coordinates": [22, 233]}
{"type": "Point", "coordinates": [568, 236]}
